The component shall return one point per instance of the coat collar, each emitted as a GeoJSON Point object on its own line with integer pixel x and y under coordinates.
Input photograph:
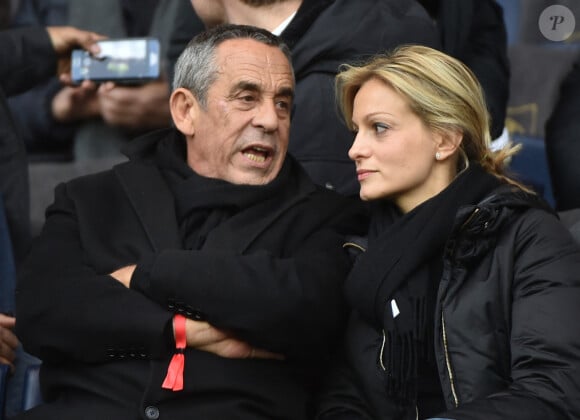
{"type": "Point", "coordinates": [152, 201]}
{"type": "Point", "coordinates": [154, 206]}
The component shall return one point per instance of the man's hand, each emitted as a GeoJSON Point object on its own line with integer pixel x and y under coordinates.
{"type": "Point", "coordinates": [8, 341]}
{"type": "Point", "coordinates": [66, 38]}
{"type": "Point", "coordinates": [123, 275]}
{"type": "Point", "coordinates": [202, 336]}
{"type": "Point", "coordinates": [76, 103]}
{"type": "Point", "coordinates": [135, 107]}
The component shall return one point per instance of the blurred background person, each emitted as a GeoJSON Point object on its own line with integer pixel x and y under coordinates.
{"type": "Point", "coordinates": [563, 142]}
{"type": "Point", "coordinates": [96, 121]}
{"type": "Point", "coordinates": [474, 32]}
{"type": "Point", "coordinates": [70, 131]}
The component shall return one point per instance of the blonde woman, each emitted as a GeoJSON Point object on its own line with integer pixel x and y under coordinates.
{"type": "Point", "coordinates": [466, 300]}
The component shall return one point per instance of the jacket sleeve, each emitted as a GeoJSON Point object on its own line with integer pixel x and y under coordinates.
{"type": "Point", "coordinates": [32, 109]}
{"type": "Point", "coordinates": [292, 305]}
{"type": "Point", "coordinates": [26, 58]}
{"type": "Point", "coordinates": [65, 310]}
{"type": "Point", "coordinates": [545, 343]}
{"type": "Point", "coordinates": [32, 114]}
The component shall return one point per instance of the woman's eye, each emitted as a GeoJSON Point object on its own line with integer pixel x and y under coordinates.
{"type": "Point", "coordinates": [379, 128]}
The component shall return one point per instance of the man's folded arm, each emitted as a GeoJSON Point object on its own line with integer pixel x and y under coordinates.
{"type": "Point", "coordinates": [66, 310]}
{"type": "Point", "coordinates": [291, 305]}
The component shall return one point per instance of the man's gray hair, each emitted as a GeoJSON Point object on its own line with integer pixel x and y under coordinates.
{"type": "Point", "coordinates": [196, 68]}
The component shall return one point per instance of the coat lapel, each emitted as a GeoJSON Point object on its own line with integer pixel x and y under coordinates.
{"type": "Point", "coordinates": [152, 201]}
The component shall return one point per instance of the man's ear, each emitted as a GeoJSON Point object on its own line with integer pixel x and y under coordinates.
{"type": "Point", "coordinates": [184, 109]}
{"type": "Point", "coordinates": [448, 142]}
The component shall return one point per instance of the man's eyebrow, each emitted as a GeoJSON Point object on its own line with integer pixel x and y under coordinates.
{"type": "Point", "coordinates": [245, 85]}
{"type": "Point", "coordinates": [286, 91]}
{"type": "Point", "coordinates": [254, 87]}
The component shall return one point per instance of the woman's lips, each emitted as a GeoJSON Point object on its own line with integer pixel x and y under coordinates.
{"type": "Point", "coordinates": [364, 174]}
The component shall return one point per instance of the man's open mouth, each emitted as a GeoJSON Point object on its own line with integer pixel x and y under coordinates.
{"type": "Point", "coordinates": [257, 154]}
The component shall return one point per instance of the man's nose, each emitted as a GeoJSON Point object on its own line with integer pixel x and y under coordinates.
{"type": "Point", "coordinates": [266, 116]}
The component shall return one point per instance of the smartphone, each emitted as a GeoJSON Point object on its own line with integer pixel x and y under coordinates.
{"type": "Point", "coordinates": [123, 61]}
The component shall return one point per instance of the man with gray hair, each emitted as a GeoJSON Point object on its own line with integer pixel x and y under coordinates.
{"type": "Point", "coordinates": [201, 279]}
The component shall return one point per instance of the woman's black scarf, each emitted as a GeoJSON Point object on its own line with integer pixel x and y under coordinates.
{"type": "Point", "coordinates": [394, 284]}
{"type": "Point", "coordinates": [203, 203]}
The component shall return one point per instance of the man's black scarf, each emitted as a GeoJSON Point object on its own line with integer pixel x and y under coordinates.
{"type": "Point", "coordinates": [393, 285]}
{"type": "Point", "coordinates": [204, 203]}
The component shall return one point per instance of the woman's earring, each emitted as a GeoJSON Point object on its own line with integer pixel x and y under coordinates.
{"type": "Point", "coordinates": [437, 156]}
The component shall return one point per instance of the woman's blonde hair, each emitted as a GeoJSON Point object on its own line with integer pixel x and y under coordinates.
{"type": "Point", "coordinates": [441, 91]}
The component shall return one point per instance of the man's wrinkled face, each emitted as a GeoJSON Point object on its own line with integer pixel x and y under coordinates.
{"type": "Point", "coordinates": [242, 134]}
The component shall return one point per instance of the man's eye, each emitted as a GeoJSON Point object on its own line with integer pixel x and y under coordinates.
{"type": "Point", "coordinates": [247, 98]}
{"type": "Point", "coordinates": [283, 105]}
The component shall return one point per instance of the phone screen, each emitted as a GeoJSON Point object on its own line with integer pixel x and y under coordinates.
{"type": "Point", "coordinates": [129, 60]}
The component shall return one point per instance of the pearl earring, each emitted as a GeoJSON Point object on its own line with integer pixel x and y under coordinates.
{"type": "Point", "coordinates": [437, 156]}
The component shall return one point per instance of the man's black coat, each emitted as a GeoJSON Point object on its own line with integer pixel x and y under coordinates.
{"type": "Point", "coordinates": [272, 274]}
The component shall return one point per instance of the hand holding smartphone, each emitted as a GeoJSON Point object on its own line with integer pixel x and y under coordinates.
{"type": "Point", "coordinates": [126, 61]}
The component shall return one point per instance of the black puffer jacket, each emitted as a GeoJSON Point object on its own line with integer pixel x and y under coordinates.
{"type": "Point", "coordinates": [507, 343]}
